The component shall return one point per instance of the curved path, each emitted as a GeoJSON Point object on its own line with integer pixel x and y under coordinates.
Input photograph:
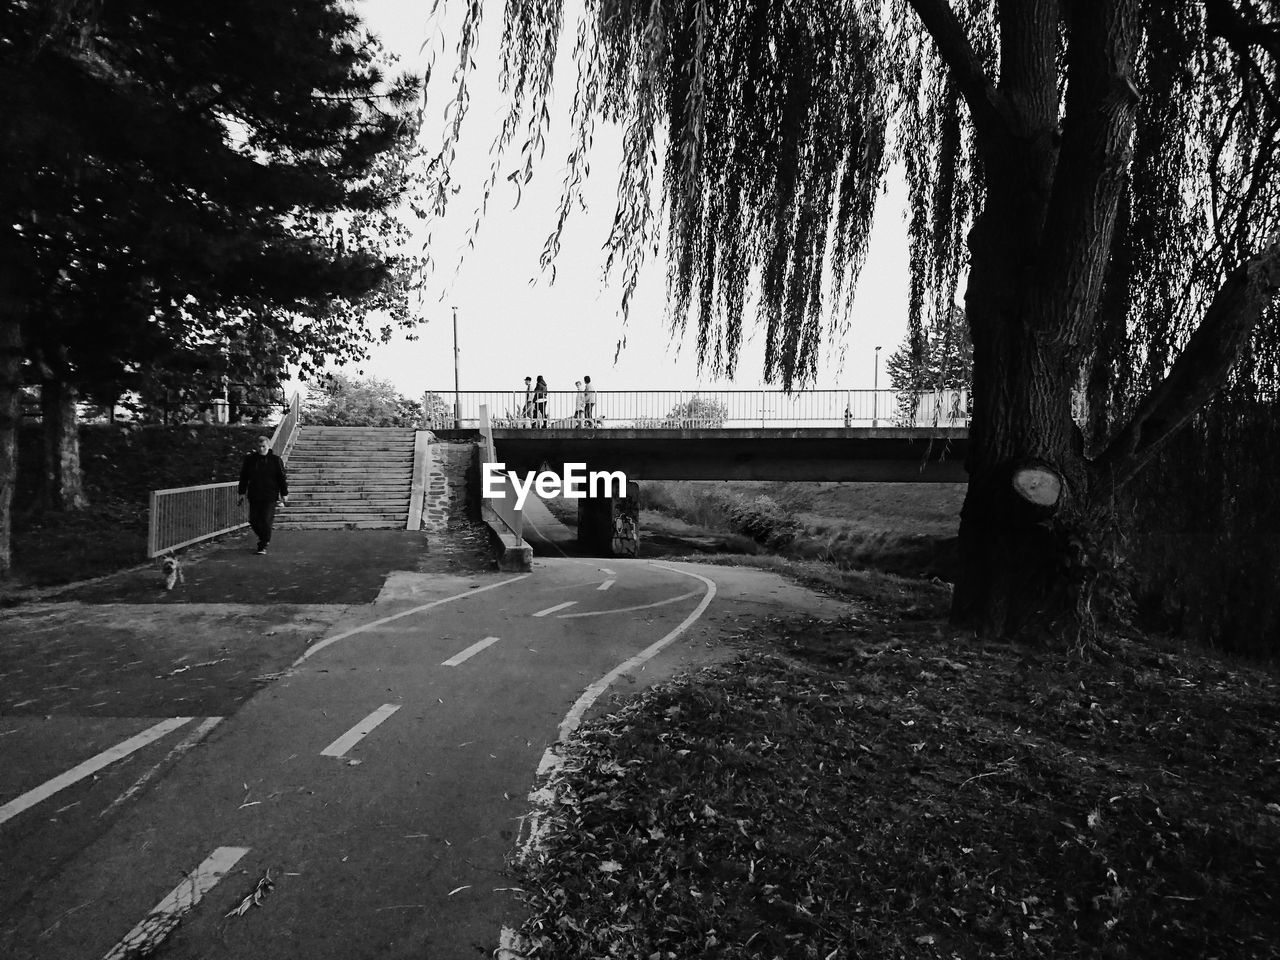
{"type": "Point", "coordinates": [382, 780]}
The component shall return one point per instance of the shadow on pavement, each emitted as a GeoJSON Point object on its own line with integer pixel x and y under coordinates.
{"type": "Point", "coordinates": [301, 566]}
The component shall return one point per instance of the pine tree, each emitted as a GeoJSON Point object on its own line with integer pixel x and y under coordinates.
{"type": "Point", "coordinates": [178, 172]}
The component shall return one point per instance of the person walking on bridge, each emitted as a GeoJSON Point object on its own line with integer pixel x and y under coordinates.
{"type": "Point", "coordinates": [263, 482]}
{"type": "Point", "coordinates": [540, 402]}
{"type": "Point", "coordinates": [526, 412]}
{"type": "Point", "coordinates": [588, 401]}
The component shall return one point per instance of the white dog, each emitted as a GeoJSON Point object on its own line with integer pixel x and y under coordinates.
{"type": "Point", "coordinates": [171, 571]}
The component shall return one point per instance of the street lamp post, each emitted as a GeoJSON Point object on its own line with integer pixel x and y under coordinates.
{"type": "Point", "coordinates": [457, 405]}
{"type": "Point", "coordinates": [875, 391]}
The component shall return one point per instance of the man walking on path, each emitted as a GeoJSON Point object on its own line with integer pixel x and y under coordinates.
{"type": "Point", "coordinates": [262, 480]}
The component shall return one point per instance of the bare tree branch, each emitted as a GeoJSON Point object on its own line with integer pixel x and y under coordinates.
{"type": "Point", "coordinates": [989, 108]}
{"type": "Point", "coordinates": [1241, 32]}
{"type": "Point", "coordinates": [1198, 373]}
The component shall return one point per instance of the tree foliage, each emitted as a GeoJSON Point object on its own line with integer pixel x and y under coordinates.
{"type": "Point", "coordinates": [179, 177]}
{"type": "Point", "coordinates": [190, 176]}
{"type": "Point", "coordinates": [339, 400]}
{"type": "Point", "coordinates": [699, 411]}
{"type": "Point", "coordinates": [946, 360]}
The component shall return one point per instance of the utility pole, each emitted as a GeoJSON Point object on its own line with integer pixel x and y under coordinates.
{"type": "Point", "coordinates": [457, 405]}
{"type": "Point", "coordinates": [875, 391]}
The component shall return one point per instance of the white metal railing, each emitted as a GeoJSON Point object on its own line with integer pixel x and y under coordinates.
{"type": "Point", "coordinates": [677, 409]}
{"type": "Point", "coordinates": [181, 516]}
{"type": "Point", "coordinates": [505, 508]}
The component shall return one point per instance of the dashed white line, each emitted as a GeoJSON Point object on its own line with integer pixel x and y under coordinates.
{"type": "Point", "coordinates": [167, 914]}
{"type": "Point", "coordinates": [558, 606]}
{"type": "Point", "coordinates": [607, 572]}
{"type": "Point", "coordinates": [89, 767]}
{"type": "Point", "coordinates": [606, 585]}
{"type": "Point", "coordinates": [470, 652]}
{"type": "Point", "coordinates": [361, 730]}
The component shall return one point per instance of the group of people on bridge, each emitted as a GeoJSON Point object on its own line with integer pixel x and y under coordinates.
{"type": "Point", "coordinates": [537, 398]}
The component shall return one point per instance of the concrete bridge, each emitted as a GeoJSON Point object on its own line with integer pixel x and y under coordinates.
{"type": "Point", "coordinates": [869, 435]}
{"type": "Point", "coordinates": [829, 435]}
{"type": "Point", "coordinates": [879, 454]}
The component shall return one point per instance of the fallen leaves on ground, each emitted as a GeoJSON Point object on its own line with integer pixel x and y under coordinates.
{"type": "Point", "coordinates": [874, 789]}
{"type": "Point", "coordinates": [255, 897]}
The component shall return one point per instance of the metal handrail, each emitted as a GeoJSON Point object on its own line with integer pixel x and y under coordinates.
{"type": "Point", "coordinates": [505, 508]}
{"type": "Point", "coordinates": [181, 516]}
{"type": "Point", "coordinates": [704, 409]}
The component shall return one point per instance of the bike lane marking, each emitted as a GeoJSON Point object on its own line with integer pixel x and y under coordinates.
{"type": "Point", "coordinates": [470, 652]}
{"type": "Point", "coordinates": [403, 613]}
{"type": "Point", "coordinates": [558, 606]}
{"type": "Point", "coordinates": [543, 796]}
{"type": "Point", "coordinates": [606, 585]}
{"type": "Point", "coordinates": [361, 730]}
{"type": "Point", "coordinates": [168, 913]}
{"type": "Point", "coordinates": [91, 766]}
{"type": "Point", "coordinates": [643, 606]}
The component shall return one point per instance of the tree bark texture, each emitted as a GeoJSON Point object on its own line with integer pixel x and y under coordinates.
{"type": "Point", "coordinates": [10, 383]}
{"type": "Point", "coordinates": [1039, 251]}
{"type": "Point", "coordinates": [63, 478]}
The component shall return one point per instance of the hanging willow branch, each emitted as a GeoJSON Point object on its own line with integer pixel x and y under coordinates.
{"type": "Point", "coordinates": [770, 126]}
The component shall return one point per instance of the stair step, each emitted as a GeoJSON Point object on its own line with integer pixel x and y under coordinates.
{"type": "Point", "coordinates": [353, 459]}
{"type": "Point", "coordinates": [345, 453]}
{"type": "Point", "coordinates": [351, 453]}
{"type": "Point", "coordinates": [347, 506]}
{"type": "Point", "coordinates": [344, 470]}
{"type": "Point", "coordinates": [398, 524]}
{"type": "Point", "coordinates": [341, 518]}
{"type": "Point", "coordinates": [354, 496]}
{"type": "Point", "coordinates": [397, 442]}
{"type": "Point", "coordinates": [339, 487]}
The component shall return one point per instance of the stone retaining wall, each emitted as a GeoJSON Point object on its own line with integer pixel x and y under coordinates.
{"type": "Point", "coordinates": [445, 496]}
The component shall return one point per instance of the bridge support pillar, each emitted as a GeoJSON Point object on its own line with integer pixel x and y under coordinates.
{"type": "Point", "coordinates": [610, 526]}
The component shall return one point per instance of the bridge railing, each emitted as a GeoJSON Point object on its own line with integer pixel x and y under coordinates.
{"type": "Point", "coordinates": [687, 409]}
{"type": "Point", "coordinates": [181, 516]}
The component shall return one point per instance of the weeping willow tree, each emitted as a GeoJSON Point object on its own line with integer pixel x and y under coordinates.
{"type": "Point", "coordinates": [1102, 174]}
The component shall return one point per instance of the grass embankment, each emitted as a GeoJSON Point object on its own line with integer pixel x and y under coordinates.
{"type": "Point", "coordinates": [905, 528]}
{"type": "Point", "coordinates": [878, 788]}
{"type": "Point", "coordinates": [122, 465]}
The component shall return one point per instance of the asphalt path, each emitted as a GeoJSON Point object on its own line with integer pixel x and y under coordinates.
{"type": "Point", "coordinates": [380, 784]}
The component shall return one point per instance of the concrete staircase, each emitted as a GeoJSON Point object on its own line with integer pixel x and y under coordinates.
{"type": "Point", "coordinates": [349, 477]}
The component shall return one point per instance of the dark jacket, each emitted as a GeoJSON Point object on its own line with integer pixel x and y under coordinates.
{"type": "Point", "coordinates": [262, 477]}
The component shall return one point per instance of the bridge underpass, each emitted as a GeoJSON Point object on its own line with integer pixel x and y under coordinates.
{"type": "Point", "coordinates": [876, 454]}
{"type": "Point", "coordinates": [833, 454]}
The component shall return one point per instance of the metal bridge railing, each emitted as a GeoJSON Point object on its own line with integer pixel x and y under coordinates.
{"type": "Point", "coordinates": [692, 409]}
{"type": "Point", "coordinates": [181, 516]}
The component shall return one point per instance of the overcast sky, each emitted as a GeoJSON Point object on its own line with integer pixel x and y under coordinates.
{"type": "Point", "coordinates": [512, 321]}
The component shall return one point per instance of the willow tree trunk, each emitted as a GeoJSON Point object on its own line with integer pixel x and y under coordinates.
{"type": "Point", "coordinates": [10, 383]}
{"type": "Point", "coordinates": [1053, 172]}
{"type": "Point", "coordinates": [63, 477]}
{"type": "Point", "coordinates": [1027, 477]}
{"type": "Point", "coordinates": [1023, 513]}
